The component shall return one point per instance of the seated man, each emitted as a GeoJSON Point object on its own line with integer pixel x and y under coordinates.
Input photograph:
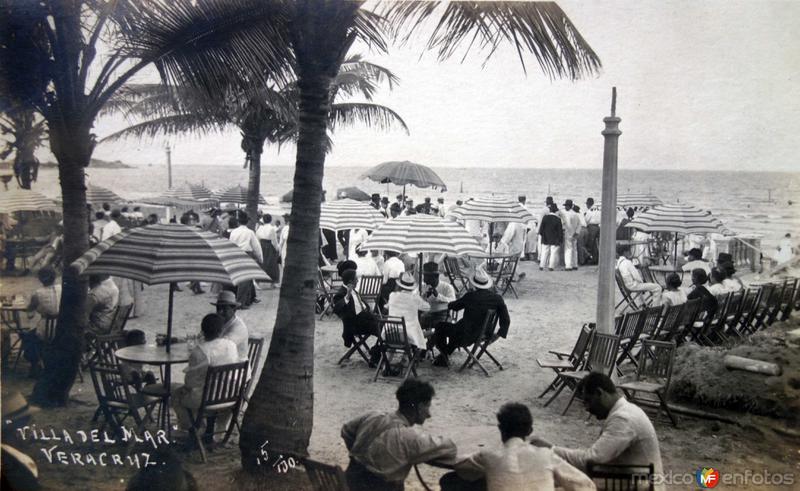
{"type": "Point", "coordinates": [234, 328]}
{"type": "Point", "coordinates": [632, 277]}
{"type": "Point", "coordinates": [45, 302]}
{"type": "Point", "coordinates": [699, 290]}
{"type": "Point", "coordinates": [516, 465]}
{"type": "Point", "coordinates": [213, 351]}
{"type": "Point", "coordinates": [437, 293]}
{"type": "Point", "coordinates": [627, 436]}
{"type": "Point", "coordinates": [466, 331]}
{"type": "Point", "coordinates": [353, 310]}
{"type": "Point", "coordinates": [405, 302]}
{"type": "Point", "coordinates": [101, 303]}
{"type": "Point", "coordinates": [384, 446]}
{"type": "Point", "coordinates": [48, 254]}
{"type": "Point", "coordinates": [695, 260]}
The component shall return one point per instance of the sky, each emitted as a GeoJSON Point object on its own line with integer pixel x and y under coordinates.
{"type": "Point", "coordinates": [710, 85]}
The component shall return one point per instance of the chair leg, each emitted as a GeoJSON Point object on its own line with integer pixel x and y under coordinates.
{"type": "Point", "coordinates": [550, 387]}
{"type": "Point", "coordinates": [232, 423]}
{"type": "Point", "coordinates": [381, 363]}
{"type": "Point", "coordinates": [199, 442]}
{"type": "Point", "coordinates": [663, 404]}
{"type": "Point", "coordinates": [572, 398]}
{"type": "Point", "coordinates": [558, 391]}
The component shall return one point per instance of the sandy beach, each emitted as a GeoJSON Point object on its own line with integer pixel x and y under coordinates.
{"type": "Point", "coordinates": [551, 308]}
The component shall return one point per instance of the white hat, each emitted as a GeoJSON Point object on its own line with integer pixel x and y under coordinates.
{"type": "Point", "coordinates": [481, 280]}
{"type": "Point", "coordinates": [406, 282]}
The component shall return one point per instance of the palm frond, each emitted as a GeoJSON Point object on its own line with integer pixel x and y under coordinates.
{"type": "Point", "coordinates": [539, 28]}
{"type": "Point", "coordinates": [370, 70]}
{"type": "Point", "coordinates": [170, 125]}
{"type": "Point", "coordinates": [373, 115]}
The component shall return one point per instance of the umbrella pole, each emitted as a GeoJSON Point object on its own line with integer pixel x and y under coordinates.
{"type": "Point", "coordinates": [169, 316]}
{"type": "Point", "coordinates": [675, 260]}
{"type": "Point", "coordinates": [419, 273]}
{"type": "Point", "coordinates": [491, 236]}
{"type": "Point", "coordinates": [404, 195]}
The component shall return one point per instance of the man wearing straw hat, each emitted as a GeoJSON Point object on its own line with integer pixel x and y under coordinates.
{"type": "Point", "coordinates": [466, 331]}
{"type": "Point", "coordinates": [19, 471]}
{"type": "Point", "coordinates": [405, 302]}
{"type": "Point", "coordinates": [234, 329]}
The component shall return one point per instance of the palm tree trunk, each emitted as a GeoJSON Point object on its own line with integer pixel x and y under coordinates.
{"type": "Point", "coordinates": [255, 147]}
{"type": "Point", "coordinates": [280, 414]}
{"type": "Point", "coordinates": [61, 367]}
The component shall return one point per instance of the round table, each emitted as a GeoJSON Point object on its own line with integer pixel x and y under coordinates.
{"type": "Point", "coordinates": [663, 271]}
{"type": "Point", "coordinates": [149, 354]}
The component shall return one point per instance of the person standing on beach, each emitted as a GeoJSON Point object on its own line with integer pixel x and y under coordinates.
{"type": "Point", "coordinates": [551, 232]}
{"type": "Point", "coordinates": [268, 239]}
{"type": "Point", "coordinates": [539, 217]}
{"type": "Point", "coordinates": [384, 446]}
{"type": "Point", "coordinates": [572, 226]}
{"type": "Point", "coordinates": [531, 232]}
{"type": "Point", "coordinates": [592, 216]}
{"type": "Point", "coordinates": [246, 240]}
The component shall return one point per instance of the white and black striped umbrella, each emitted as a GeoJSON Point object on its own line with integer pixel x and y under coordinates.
{"type": "Point", "coordinates": [680, 219]}
{"type": "Point", "coordinates": [97, 195]}
{"type": "Point", "coordinates": [170, 253]}
{"type": "Point", "coordinates": [636, 200]}
{"type": "Point", "coordinates": [345, 214]}
{"type": "Point", "coordinates": [25, 200]}
{"type": "Point", "coordinates": [414, 234]}
{"type": "Point", "coordinates": [189, 192]}
{"type": "Point", "coordinates": [492, 209]}
{"type": "Point", "coordinates": [236, 194]}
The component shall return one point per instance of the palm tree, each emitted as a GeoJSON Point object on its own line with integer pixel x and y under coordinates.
{"type": "Point", "coordinates": [27, 132]}
{"type": "Point", "coordinates": [261, 114]}
{"type": "Point", "coordinates": [59, 75]}
{"type": "Point", "coordinates": [279, 418]}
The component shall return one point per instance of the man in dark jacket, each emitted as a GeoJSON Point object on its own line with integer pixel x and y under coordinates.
{"type": "Point", "coordinates": [552, 231]}
{"type": "Point", "coordinates": [466, 331]}
{"type": "Point", "coordinates": [353, 310]}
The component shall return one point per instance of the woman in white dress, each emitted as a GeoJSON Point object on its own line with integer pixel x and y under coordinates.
{"type": "Point", "coordinates": [785, 249]}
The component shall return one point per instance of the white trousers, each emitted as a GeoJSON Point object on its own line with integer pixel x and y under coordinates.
{"type": "Point", "coordinates": [549, 256]}
{"type": "Point", "coordinates": [570, 253]}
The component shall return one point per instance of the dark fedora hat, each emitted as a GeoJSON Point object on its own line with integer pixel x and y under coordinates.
{"type": "Point", "coordinates": [430, 268]}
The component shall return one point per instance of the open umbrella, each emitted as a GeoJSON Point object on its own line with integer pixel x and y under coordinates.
{"type": "Point", "coordinates": [236, 194]}
{"type": "Point", "coordinates": [636, 201]}
{"type": "Point", "coordinates": [189, 192]}
{"type": "Point", "coordinates": [170, 253]}
{"type": "Point", "coordinates": [25, 200]}
{"type": "Point", "coordinates": [98, 195]}
{"type": "Point", "coordinates": [677, 219]}
{"type": "Point", "coordinates": [415, 234]}
{"type": "Point", "coordinates": [352, 192]}
{"type": "Point", "coordinates": [405, 172]}
{"type": "Point", "coordinates": [346, 214]}
{"type": "Point", "coordinates": [492, 209]}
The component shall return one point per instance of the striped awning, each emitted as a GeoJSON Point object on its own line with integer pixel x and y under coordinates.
{"type": "Point", "coordinates": [25, 200]}
{"type": "Point", "coordinates": [189, 192]}
{"type": "Point", "coordinates": [492, 209]}
{"type": "Point", "coordinates": [681, 219]}
{"type": "Point", "coordinates": [636, 200]}
{"type": "Point", "coordinates": [347, 213]}
{"type": "Point", "coordinates": [166, 253]}
{"type": "Point", "coordinates": [97, 195]}
{"type": "Point", "coordinates": [413, 234]}
{"type": "Point", "coordinates": [405, 172]}
{"type": "Point", "coordinates": [236, 194]}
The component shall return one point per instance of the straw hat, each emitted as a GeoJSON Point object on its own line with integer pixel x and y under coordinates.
{"type": "Point", "coordinates": [481, 280]}
{"type": "Point", "coordinates": [15, 406]}
{"type": "Point", "coordinates": [406, 282]}
{"type": "Point", "coordinates": [226, 297]}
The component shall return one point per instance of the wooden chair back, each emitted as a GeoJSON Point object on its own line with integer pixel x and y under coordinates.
{"type": "Point", "coordinates": [325, 477]}
{"type": "Point", "coordinates": [105, 347]}
{"type": "Point", "coordinates": [652, 318]}
{"type": "Point", "coordinates": [602, 353]}
{"type": "Point", "coordinates": [656, 360]}
{"type": "Point", "coordinates": [670, 322]}
{"type": "Point", "coordinates": [121, 315]}
{"type": "Point", "coordinates": [582, 344]}
{"type": "Point", "coordinates": [453, 271]}
{"type": "Point", "coordinates": [505, 275]}
{"type": "Point", "coordinates": [224, 387]}
{"type": "Point", "coordinates": [789, 296]}
{"type": "Point", "coordinates": [614, 477]}
{"type": "Point", "coordinates": [50, 323]}
{"type": "Point", "coordinates": [747, 309]}
{"type": "Point", "coordinates": [691, 311]}
{"type": "Point", "coordinates": [628, 330]}
{"type": "Point", "coordinates": [393, 333]}
{"type": "Point", "coordinates": [254, 348]}
{"type": "Point", "coordinates": [110, 387]}
{"type": "Point", "coordinates": [10, 318]}
{"type": "Point", "coordinates": [369, 287]}
{"type": "Point", "coordinates": [629, 299]}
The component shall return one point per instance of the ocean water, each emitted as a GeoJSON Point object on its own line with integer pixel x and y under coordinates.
{"type": "Point", "coordinates": [746, 202]}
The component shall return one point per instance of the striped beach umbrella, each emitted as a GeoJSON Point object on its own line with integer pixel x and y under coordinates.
{"type": "Point", "coordinates": [25, 200]}
{"type": "Point", "coordinates": [236, 194]}
{"type": "Point", "coordinates": [679, 219]}
{"type": "Point", "coordinates": [492, 209]}
{"type": "Point", "coordinates": [415, 234]}
{"type": "Point", "coordinates": [189, 192]}
{"type": "Point", "coordinates": [345, 214]}
{"type": "Point", "coordinates": [98, 195]}
{"type": "Point", "coordinates": [170, 253]}
{"type": "Point", "coordinates": [405, 172]}
{"type": "Point", "coordinates": [636, 201]}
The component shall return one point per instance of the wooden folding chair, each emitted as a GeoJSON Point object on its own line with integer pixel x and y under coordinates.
{"type": "Point", "coordinates": [776, 303]}
{"type": "Point", "coordinates": [223, 392]}
{"type": "Point", "coordinates": [751, 323]}
{"type": "Point", "coordinates": [789, 297]}
{"type": "Point", "coordinates": [394, 341]}
{"type": "Point", "coordinates": [712, 331]}
{"type": "Point", "coordinates": [369, 287]}
{"type": "Point", "coordinates": [120, 319]}
{"type": "Point", "coordinates": [116, 402]}
{"type": "Point", "coordinates": [324, 296]}
{"type": "Point", "coordinates": [732, 312]}
{"type": "Point", "coordinates": [669, 324]}
{"type": "Point", "coordinates": [653, 374]}
{"type": "Point", "coordinates": [325, 477]}
{"type": "Point", "coordinates": [504, 281]}
{"type": "Point", "coordinates": [360, 346]}
{"type": "Point", "coordinates": [454, 274]}
{"type": "Point", "coordinates": [628, 332]}
{"type": "Point", "coordinates": [622, 477]}
{"type": "Point", "coordinates": [568, 361]}
{"type": "Point", "coordinates": [630, 299]}
{"type": "Point", "coordinates": [11, 319]}
{"type": "Point", "coordinates": [602, 358]}
{"type": "Point", "coordinates": [691, 311]}
{"type": "Point", "coordinates": [481, 345]}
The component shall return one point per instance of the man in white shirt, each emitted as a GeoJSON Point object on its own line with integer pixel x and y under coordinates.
{"type": "Point", "coordinates": [405, 302]}
{"type": "Point", "coordinates": [437, 293]}
{"type": "Point", "coordinates": [627, 436]}
{"type": "Point", "coordinates": [517, 465]}
{"type": "Point", "coordinates": [234, 328]}
{"type": "Point", "coordinates": [514, 238]}
{"type": "Point", "coordinates": [112, 228]}
{"type": "Point", "coordinates": [632, 277]}
{"type": "Point", "coordinates": [571, 230]}
{"type": "Point", "coordinates": [365, 263]}
{"type": "Point", "coordinates": [531, 230]}
{"type": "Point", "coordinates": [98, 224]}
{"type": "Point", "coordinates": [593, 218]}
{"type": "Point", "coordinates": [357, 237]}
{"type": "Point", "coordinates": [247, 241]}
